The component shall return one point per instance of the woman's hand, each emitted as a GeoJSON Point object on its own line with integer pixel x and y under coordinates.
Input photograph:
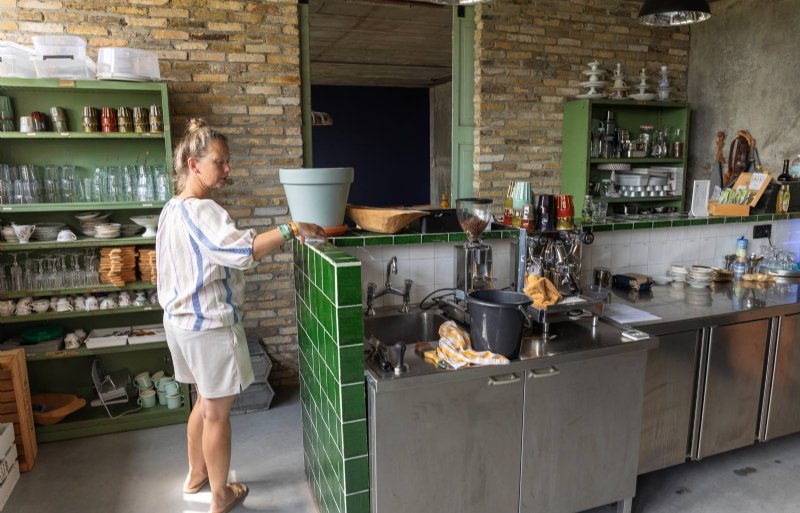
{"type": "Point", "coordinates": [310, 230]}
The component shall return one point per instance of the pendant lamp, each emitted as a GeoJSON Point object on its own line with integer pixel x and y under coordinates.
{"type": "Point", "coordinates": [673, 12]}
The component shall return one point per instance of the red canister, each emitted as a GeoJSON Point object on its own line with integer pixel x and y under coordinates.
{"type": "Point", "coordinates": [565, 212]}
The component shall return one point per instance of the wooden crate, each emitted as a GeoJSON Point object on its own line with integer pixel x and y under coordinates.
{"type": "Point", "coordinates": [15, 405]}
{"type": "Point", "coordinates": [755, 182]}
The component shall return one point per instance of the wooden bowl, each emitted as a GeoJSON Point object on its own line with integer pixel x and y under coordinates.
{"type": "Point", "coordinates": [382, 220]}
{"type": "Point", "coordinates": [57, 406]}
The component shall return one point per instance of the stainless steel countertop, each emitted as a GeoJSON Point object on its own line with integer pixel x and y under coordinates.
{"type": "Point", "coordinates": [576, 340]}
{"type": "Point", "coordinates": [684, 308]}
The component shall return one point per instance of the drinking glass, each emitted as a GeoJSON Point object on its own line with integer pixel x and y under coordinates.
{"type": "Point", "coordinates": [3, 284]}
{"type": "Point", "coordinates": [599, 211]}
{"type": "Point", "coordinates": [52, 185]}
{"type": "Point", "coordinates": [144, 184]}
{"type": "Point", "coordinates": [67, 176]}
{"type": "Point", "coordinates": [17, 282]}
{"type": "Point", "coordinates": [100, 184]}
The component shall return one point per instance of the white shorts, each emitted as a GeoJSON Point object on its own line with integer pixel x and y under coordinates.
{"type": "Point", "coordinates": [217, 361]}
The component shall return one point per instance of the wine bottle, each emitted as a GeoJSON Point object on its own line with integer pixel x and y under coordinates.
{"type": "Point", "coordinates": [785, 176]}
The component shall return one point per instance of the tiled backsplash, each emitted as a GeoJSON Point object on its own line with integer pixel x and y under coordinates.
{"type": "Point", "coordinates": [653, 251]}
{"type": "Point", "coordinates": [430, 266]}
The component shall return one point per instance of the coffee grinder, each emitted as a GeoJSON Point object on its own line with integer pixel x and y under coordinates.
{"type": "Point", "coordinates": [473, 269]}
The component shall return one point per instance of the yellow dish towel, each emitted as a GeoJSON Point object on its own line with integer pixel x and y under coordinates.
{"type": "Point", "coordinates": [541, 291]}
{"type": "Point", "coordinates": [455, 348]}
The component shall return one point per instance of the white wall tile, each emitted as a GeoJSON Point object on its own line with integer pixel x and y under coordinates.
{"type": "Point", "coordinates": [674, 252]}
{"type": "Point", "coordinates": [640, 236]}
{"type": "Point", "coordinates": [691, 251]}
{"type": "Point", "coordinates": [676, 233]}
{"type": "Point", "coordinates": [656, 252]}
{"type": "Point", "coordinates": [601, 257]}
{"type": "Point", "coordinates": [423, 271]}
{"type": "Point", "coordinates": [620, 257]}
{"type": "Point", "coordinates": [621, 237]}
{"type": "Point", "coordinates": [602, 239]}
{"type": "Point", "coordinates": [707, 254]}
{"type": "Point", "coordinates": [659, 234]}
{"type": "Point", "coordinates": [639, 253]}
{"type": "Point", "coordinates": [421, 250]}
{"type": "Point", "coordinates": [443, 272]}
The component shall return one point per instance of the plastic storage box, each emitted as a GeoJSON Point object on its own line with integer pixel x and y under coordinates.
{"type": "Point", "coordinates": [67, 68]}
{"type": "Point", "coordinates": [107, 337]}
{"type": "Point", "coordinates": [132, 64]}
{"type": "Point", "coordinates": [15, 61]}
{"type": "Point", "coordinates": [59, 46]}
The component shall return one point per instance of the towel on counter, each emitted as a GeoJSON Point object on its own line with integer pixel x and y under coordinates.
{"type": "Point", "coordinates": [455, 348]}
{"type": "Point", "coordinates": [541, 291]}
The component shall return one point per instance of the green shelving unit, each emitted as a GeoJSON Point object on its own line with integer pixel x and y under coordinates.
{"type": "Point", "coordinates": [578, 169]}
{"type": "Point", "coordinates": [70, 370]}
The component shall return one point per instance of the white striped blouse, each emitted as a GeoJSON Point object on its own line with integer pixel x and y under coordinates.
{"type": "Point", "coordinates": [200, 258]}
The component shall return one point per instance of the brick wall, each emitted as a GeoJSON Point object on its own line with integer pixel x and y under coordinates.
{"type": "Point", "coordinates": [529, 61]}
{"type": "Point", "coordinates": [236, 63]}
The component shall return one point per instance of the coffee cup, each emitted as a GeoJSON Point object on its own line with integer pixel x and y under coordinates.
{"type": "Point", "coordinates": [41, 305]}
{"type": "Point", "coordinates": [64, 305]}
{"type": "Point", "coordinates": [23, 231]}
{"type": "Point", "coordinates": [172, 388]}
{"type": "Point", "coordinates": [147, 398]}
{"type": "Point", "coordinates": [174, 401]}
{"type": "Point", "coordinates": [143, 380]}
{"type": "Point", "coordinates": [66, 236]}
{"type": "Point", "coordinates": [25, 302]}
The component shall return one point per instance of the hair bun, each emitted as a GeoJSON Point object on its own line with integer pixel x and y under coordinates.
{"type": "Point", "coordinates": [195, 124]}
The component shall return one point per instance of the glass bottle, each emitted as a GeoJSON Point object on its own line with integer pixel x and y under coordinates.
{"type": "Point", "coordinates": [785, 196]}
{"type": "Point", "coordinates": [586, 211]}
{"type": "Point", "coordinates": [794, 169]}
{"type": "Point", "coordinates": [508, 206]}
{"type": "Point", "coordinates": [785, 176]}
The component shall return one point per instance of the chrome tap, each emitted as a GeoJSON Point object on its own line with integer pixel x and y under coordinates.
{"type": "Point", "coordinates": [391, 268]}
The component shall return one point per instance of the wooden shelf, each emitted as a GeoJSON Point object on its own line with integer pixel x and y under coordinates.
{"type": "Point", "coordinates": [59, 86]}
{"type": "Point", "coordinates": [88, 242]}
{"type": "Point", "coordinates": [72, 207]}
{"type": "Point", "coordinates": [641, 200]}
{"type": "Point", "coordinates": [50, 316]}
{"type": "Point", "coordinates": [646, 160]}
{"type": "Point", "coordinates": [77, 353]}
{"type": "Point", "coordinates": [89, 289]}
{"type": "Point", "coordinates": [80, 135]}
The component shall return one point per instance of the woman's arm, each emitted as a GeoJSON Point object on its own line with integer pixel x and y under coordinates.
{"type": "Point", "coordinates": [270, 240]}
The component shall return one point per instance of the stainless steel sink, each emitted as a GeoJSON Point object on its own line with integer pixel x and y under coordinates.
{"type": "Point", "coordinates": [390, 326]}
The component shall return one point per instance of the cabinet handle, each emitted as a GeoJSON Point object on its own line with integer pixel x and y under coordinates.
{"type": "Point", "coordinates": [549, 372]}
{"type": "Point", "coordinates": [506, 379]}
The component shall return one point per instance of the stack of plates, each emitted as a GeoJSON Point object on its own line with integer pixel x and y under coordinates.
{"type": "Point", "coordinates": [47, 231]}
{"type": "Point", "coordinates": [89, 220]}
{"type": "Point", "coordinates": [107, 230]}
{"type": "Point", "coordinates": [678, 273]}
{"type": "Point", "coordinates": [131, 230]}
{"type": "Point", "coordinates": [699, 276]}
{"type": "Point", "coordinates": [8, 234]}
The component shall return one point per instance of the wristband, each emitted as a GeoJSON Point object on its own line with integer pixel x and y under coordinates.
{"type": "Point", "coordinates": [295, 231]}
{"type": "Point", "coordinates": [286, 231]}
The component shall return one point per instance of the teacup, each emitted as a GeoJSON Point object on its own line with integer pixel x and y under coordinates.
{"type": "Point", "coordinates": [26, 302]}
{"type": "Point", "coordinates": [7, 307]}
{"type": "Point", "coordinates": [66, 236]}
{"type": "Point", "coordinates": [172, 388]}
{"type": "Point", "coordinates": [143, 380]}
{"type": "Point", "coordinates": [154, 298]}
{"type": "Point", "coordinates": [64, 305]}
{"type": "Point", "coordinates": [80, 303]}
{"type": "Point", "coordinates": [162, 383]}
{"type": "Point", "coordinates": [22, 310]}
{"type": "Point", "coordinates": [71, 341]}
{"type": "Point", "coordinates": [147, 398]}
{"type": "Point", "coordinates": [174, 401]}
{"type": "Point", "coordinates": [41, 305]}
{"type": "Point", "coordinates": [91, 303]}
{"type": "Point", "coordinates": [23, 232]}
{"type": "Point", "coordinates": [162, 398]}
{"type": "Point", "coordinates": [124, 299]}
{"type": "Point", "coordinates": [141, 299]}
{"type": "Point", "coordinates": [54, 303]}
{"type": "Point", "coordinates": [108, 303]}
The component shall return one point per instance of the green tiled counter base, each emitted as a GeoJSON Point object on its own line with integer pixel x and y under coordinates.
{"type": "Point", "coordinates": [362, 238]}
{"type": "Point", "coordinates": [700, 221]}
{"type": "Point", "coordinates": [330, 333]}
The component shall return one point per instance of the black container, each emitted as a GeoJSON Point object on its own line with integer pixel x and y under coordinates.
{"type": "Point", "coordinates": [546, 213]}
{"type": "Point", "coordinates": [440, 220]}
{"type": "Point", "coordinates": [496, 320]}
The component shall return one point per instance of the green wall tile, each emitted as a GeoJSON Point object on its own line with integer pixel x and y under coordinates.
{"type": "Point", "coordinates": [378, 241]}
{"type": "Point", "coordinates": [486, 235]}
{"type": "Point", "coordinates": [602, 228]}
{"type": "Point", "coordinates": [350, 325]}
{"type": "Point", "coordinates": [357, 503]}
{"type": "Point", "coordinates": [459, 237]}
{"type": "Point", "coordinates": [348, 285]}
{"type": "Point", "coordinates": [356, 474]}
{"type": "Point", "coordinates": [329, 279]}
{"type": "Point", "coordinates": [354, 404]}
{"type": "Point", "coordinates": [348, 242]}
{"type": "Point", "coordinates": [351, 364]}
{"type": "Point", "coordinates": [749, 219]}
{"type": "Point", "coordinates": [642, 225]}
{"type": "Point", "coordinates": [716, 220]}
{"type": "Point", "coordinates": [662, 224]}
{"type": "Point", "coordinates": [408, 239]}
{"type": "Point", "coordinates": [680, 222]}
{"type": "Point", "coordinates": [622, 226]}
{"type": "Point", "coordinates": [733, 219]}
{"type": "Point", "coordinates": [698, 222]}
{"type": "Point", "coordinates": [354, 438]}
{"type": "Point", "coordinates": [434, 237]}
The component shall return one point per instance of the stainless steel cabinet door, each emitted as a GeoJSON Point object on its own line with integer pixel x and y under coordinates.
{"type": "Point", "coordinates": [784, 406]}
{"type": "Point", "coordinates": [449, 447]}
{"type": "Point", "coordinates": [668, 398]}
{"type": "Point", "coordinates": [734, 375]}
{"type": "Point", "coordinates": [580, 442]}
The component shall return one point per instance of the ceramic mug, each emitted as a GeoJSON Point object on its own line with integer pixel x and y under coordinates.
{"type": "Point", "coordinates": [162, 398]}
{"type": "Point", "coordinates": [108, 303]}
{"type": "Point", "coordinates": [7, 307]}
{"type": "Point", "coordinates": [25, 302]}
{"type": "Point", "coordinates": [63, 305]}
{"type": "Point", "coordinates": [80, 303]}
{"type": "Point", "coordinates": [162, 383]}
{"type": "Point", "coordinates": [143, 380]}
{"type": "Point", "coordinates": [124, 299]}
{"type": "Point", "coordinates": [172, 388]}
{"type": "Point", "coordinates": [22, 310]}
{"type": "Point", "coordinates": [141, 299]}
{"type": "Point", "coordinates": [91, 303]}
{"type": "Point", "coordinates": [147, 398]}
{"type": "Point", "coordinates": [174, 401]}
{"type": "Point", "coordinates": [41, 305]}
{"type": "Point", "coordinates": [66, 236]}
{"type": "Point", "coordinates": [23, 232]}
{"type": "Point", "coordinates": [156, 376]}
{"type": "Point", "coordinates": [71, 341]}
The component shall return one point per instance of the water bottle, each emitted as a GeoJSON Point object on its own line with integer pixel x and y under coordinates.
{"type": "Point", "coordinates": [741, 249]}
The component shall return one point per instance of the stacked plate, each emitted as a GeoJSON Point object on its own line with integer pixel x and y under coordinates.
{"type": "Point", "coordinates": [107, 230]}
{"type": "Point", "coordinates": [89, 220]}
{"type": "Point", "coordinates": [678, 273]}
{"type": "Point", "coordinates": [699, 276]}
{"type": "Point", "coordinates": [131, 230]}
{"type": "Point", "coordinates": [8, 234]}
{"type": "Point", "coordinates": [47, 231]}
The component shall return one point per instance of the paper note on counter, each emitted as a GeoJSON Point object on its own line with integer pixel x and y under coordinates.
{"type": "Point", "coordinates": [625, 314]}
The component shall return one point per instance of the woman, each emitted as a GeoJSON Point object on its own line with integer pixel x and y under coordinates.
{"type": "Point", "coordinates": [201, 256]}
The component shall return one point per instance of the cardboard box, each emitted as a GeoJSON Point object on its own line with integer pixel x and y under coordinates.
{"type": "Point", "coordinates": [756, 182]}
{"type": "Point", "coordinates": [15, 403]}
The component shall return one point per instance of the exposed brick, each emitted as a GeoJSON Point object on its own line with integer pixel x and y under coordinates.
{"type": "Point", "coordinates": [40, 4]}
{"type": "Point", "coordinates": [88, 30]}
{"type": "Point", "coordinates": [8, 25]}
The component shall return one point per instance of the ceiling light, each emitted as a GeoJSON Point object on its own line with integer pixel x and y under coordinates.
{"type": "Point", "coordinates": [674, 12]}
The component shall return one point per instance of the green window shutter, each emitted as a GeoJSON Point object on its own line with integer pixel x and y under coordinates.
{"type": "Point", "coordinates": [463, 108]}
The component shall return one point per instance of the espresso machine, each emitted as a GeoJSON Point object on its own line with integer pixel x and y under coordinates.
{"type": "Point", "coordinates": [473, 269]}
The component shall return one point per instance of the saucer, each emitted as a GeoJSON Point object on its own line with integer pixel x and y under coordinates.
{"type": "Point", "coordinates": [646, 97]}
{"type": "Point", "coordinates": [595, 96]}
{"type": "Point", "coordinates": [597, 83]}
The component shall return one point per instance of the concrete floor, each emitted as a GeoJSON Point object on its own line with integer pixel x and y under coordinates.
{"type": "Point", "coordinates": [142, 472]}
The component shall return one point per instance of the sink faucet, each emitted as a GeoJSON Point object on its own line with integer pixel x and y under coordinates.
{"type": "Point", "coordinates": [391, 268]}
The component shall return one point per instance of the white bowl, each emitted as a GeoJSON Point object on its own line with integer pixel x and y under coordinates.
{"type": "Point", "coordinates": [662, 280]}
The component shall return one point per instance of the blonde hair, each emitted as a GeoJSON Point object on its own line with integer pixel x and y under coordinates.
{"type": "Point", "coordinates": [196, 142]}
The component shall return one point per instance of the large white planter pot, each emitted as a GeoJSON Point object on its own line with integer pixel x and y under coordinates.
{"type": "Point", "coordinates": [317, 195]}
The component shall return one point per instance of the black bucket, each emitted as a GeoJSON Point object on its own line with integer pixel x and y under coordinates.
{"type": "Point", "coordinates": [496, 320]}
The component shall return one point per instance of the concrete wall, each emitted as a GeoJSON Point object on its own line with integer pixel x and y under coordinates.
{"type": "Point", "coordinates": [743, 71]}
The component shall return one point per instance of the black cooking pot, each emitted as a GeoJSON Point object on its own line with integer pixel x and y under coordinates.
{"type": "Point", "coordinates": [496, 320]}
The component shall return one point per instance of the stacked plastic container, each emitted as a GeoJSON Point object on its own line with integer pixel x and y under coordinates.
{"type": "Point", "coordinates": [129, 64]}
{"type": "Point", "coordinates": [64, 57]}
{"type": "Point", "coordinates": [15, 61]}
